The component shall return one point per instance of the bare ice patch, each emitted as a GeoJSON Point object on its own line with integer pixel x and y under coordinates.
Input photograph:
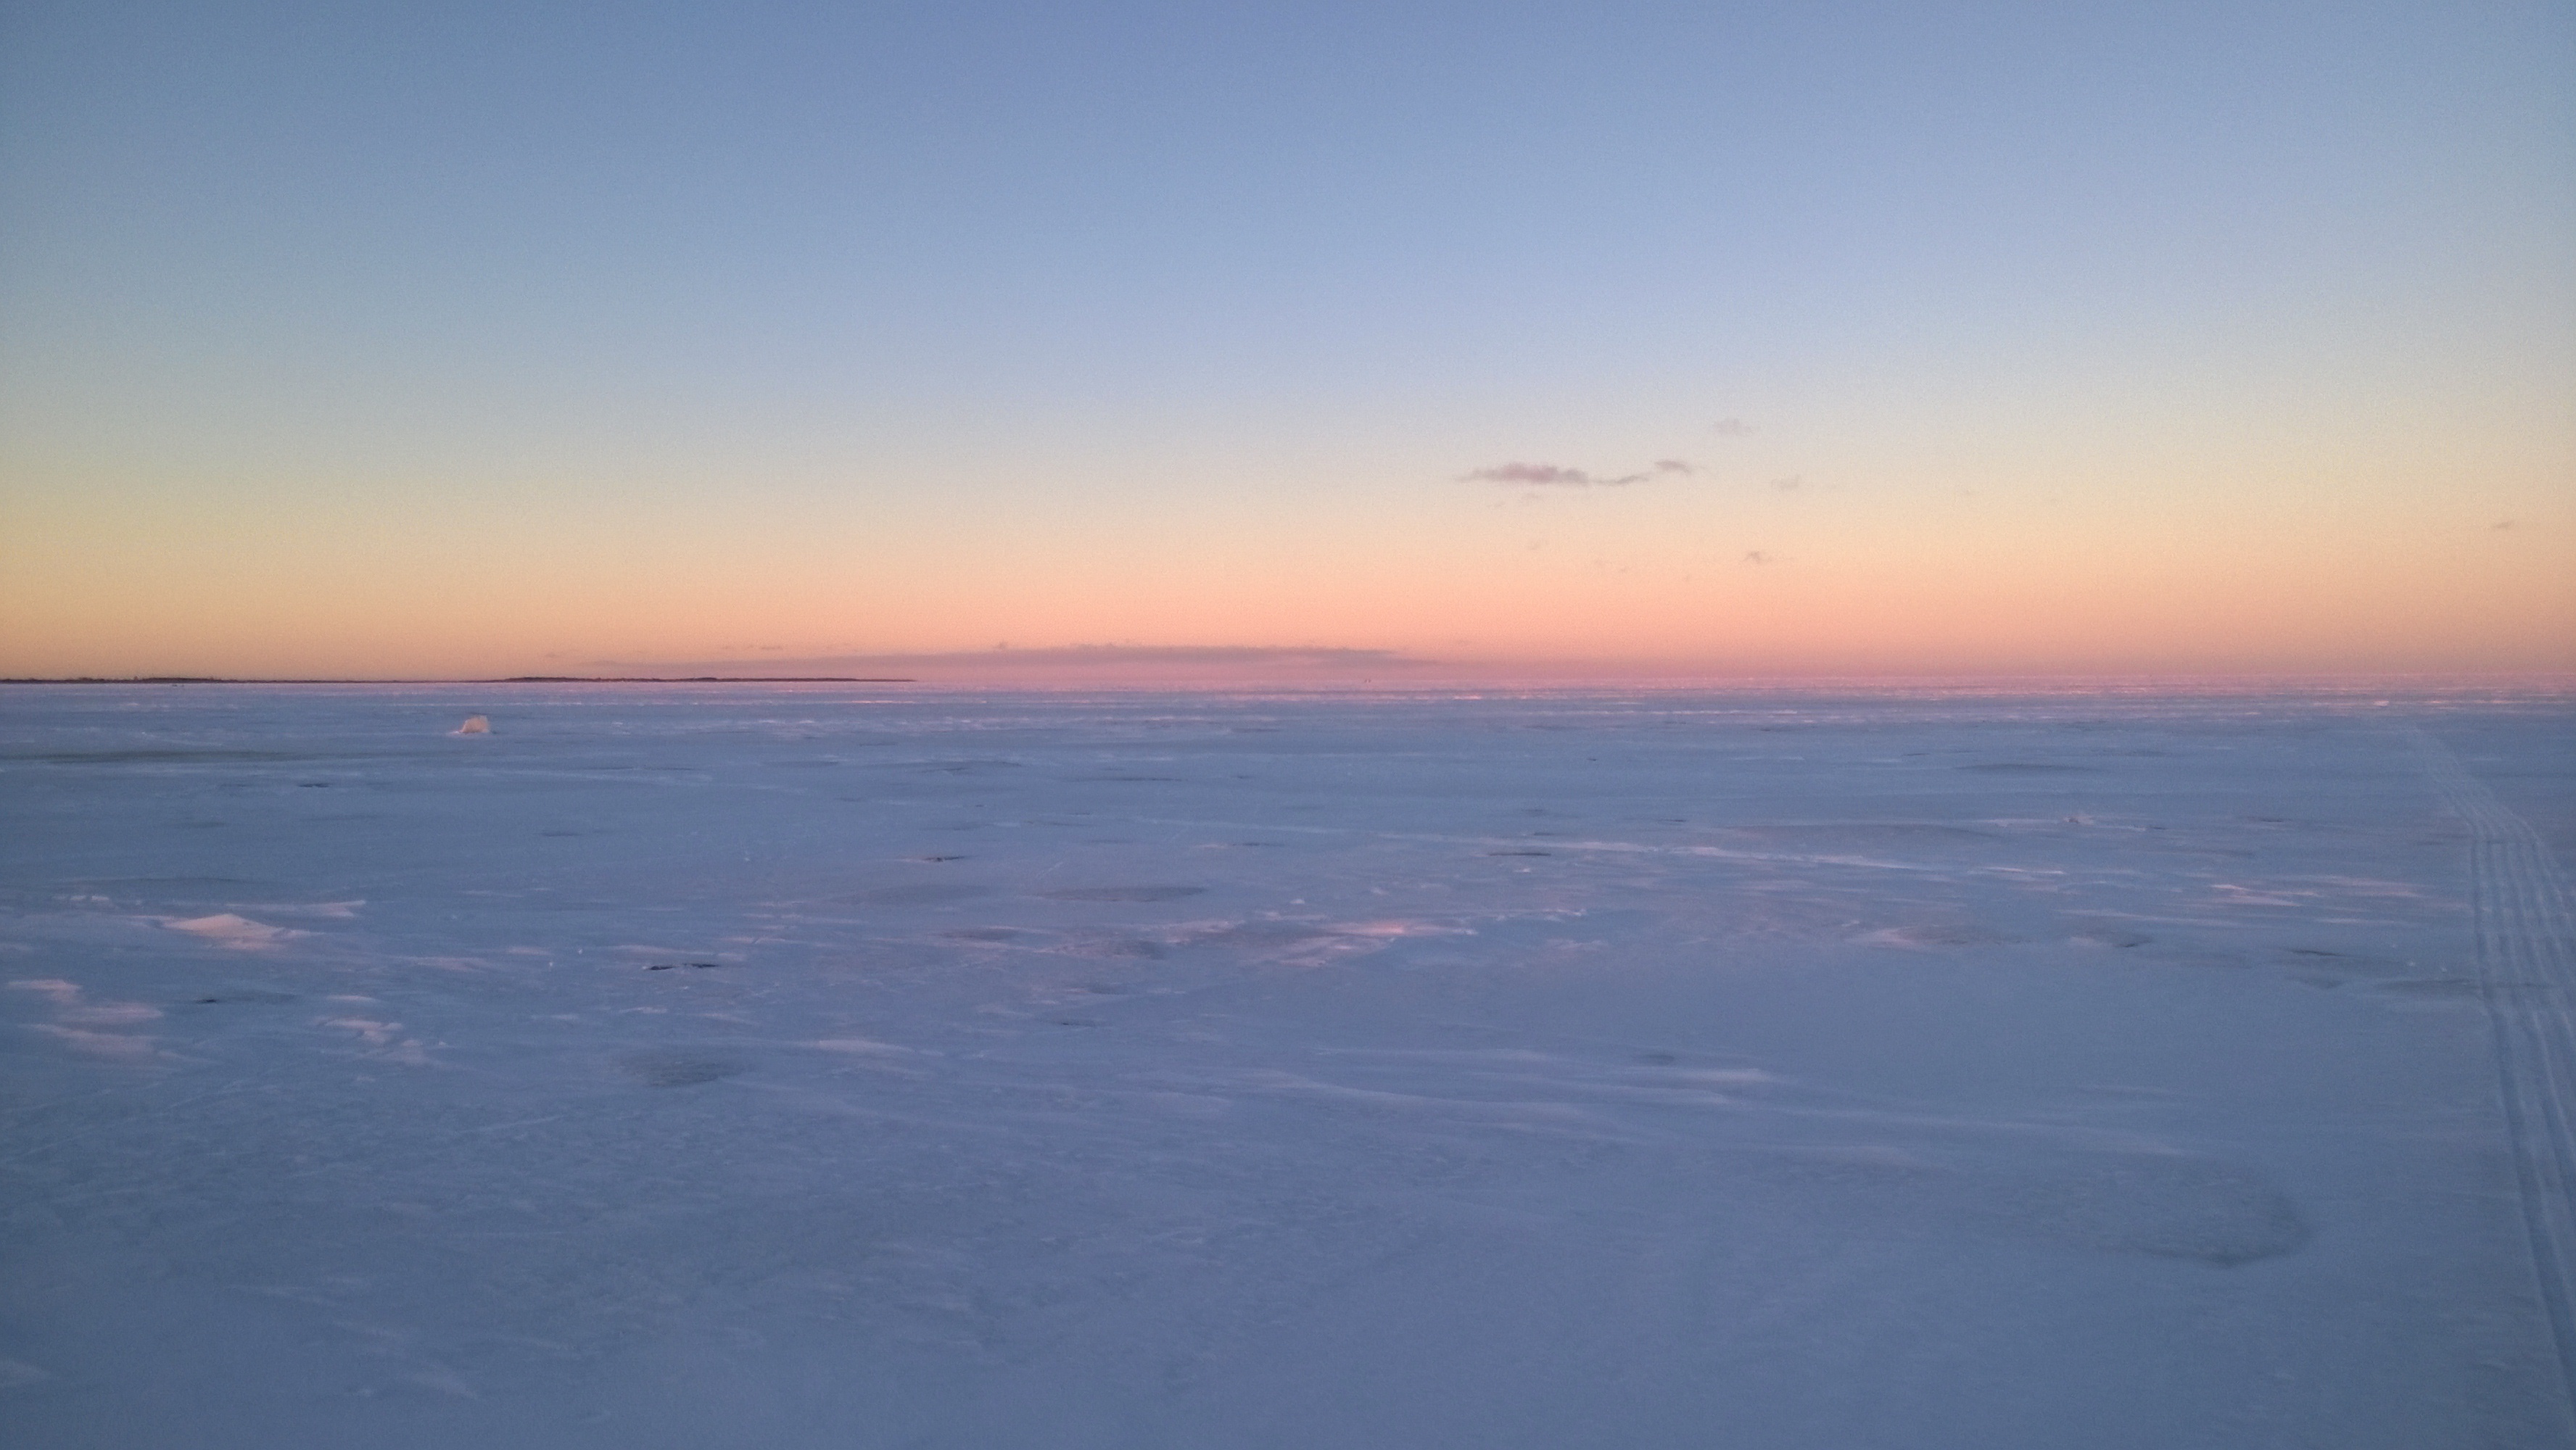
{"type": "Point", "coordinates": [112, 1014]}
{"type": "Point", "coordinates": [117, 1045]}
{"type": "Point", "coordinates": [376, 1033]}
{"type": "Point", "coordinates": [233, 931]}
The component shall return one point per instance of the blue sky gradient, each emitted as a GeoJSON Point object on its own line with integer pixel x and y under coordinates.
{"type": "Point", "coordinates": [438, 290]}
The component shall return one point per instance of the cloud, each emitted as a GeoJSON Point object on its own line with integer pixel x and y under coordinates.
{"type": "Point", "coordinates": [1731, 428]}
{"type": "Point", "coordinates": [1675, 465]}
{"type": "Point", "coordinates": [1791, 484]}
{"type": "Point", "coordinates": [2504, 528]}
{"type": "Point", "coordinates": [1756, 556]}
{"type": "Point", "coordinates": [1547, 475]}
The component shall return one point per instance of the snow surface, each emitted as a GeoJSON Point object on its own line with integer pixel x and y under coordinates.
{"type": "Point", "coordinates": [698, 1067]}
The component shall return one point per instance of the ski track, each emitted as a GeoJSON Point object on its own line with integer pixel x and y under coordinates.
{"type": "Point", "coordinates": [2526, 964]}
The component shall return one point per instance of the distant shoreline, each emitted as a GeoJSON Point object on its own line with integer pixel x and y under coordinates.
{"type": "Point", "coordinates": [2555, 686]}
{"type": "Point", "coordinates": [505, 680]}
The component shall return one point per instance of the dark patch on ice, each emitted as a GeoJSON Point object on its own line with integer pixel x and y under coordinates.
{"type": "Point", "coordinates": [1126, 893]}
{"type": "Point", "coordinates": [2459, 987]}
{"type": "Point", "coordinates": [246, 995]}
{"type": "Point", "coordinates": [1260, 935]}
{"type": "Point", "coordinates": [2114, 937]}
{"type": "Point", "coordinates": [1101, 779]}
{"type": "Point", "coordinates": [2171, 1208]}
{"type": "Point", "coordinates": [2031, 767]}
{"type": "Point", "coordinates": [1520, 853]}
{"type": "Point", "coordinates": [939, 858]}
{"type": "Point", "coordinates": [670, 966]}
{"type": "Point", "coordinates": [102, 883]}
{"type": "Point", "coordinates": [313, 785]}
{"type": "Point", "coordinates": [987, 933]}
{"type": "Point", "coordinates": [1118, 947]}
{"type": "Point", "coordinates": [677, 1069]}
{"type": "Point", "coordinates": [1657, 1059]}
{"type": "Point", "coordinates": [2320, 967]}
{"type": "Point", "coordinates": [928, 893]}
{"type": "Point", "coordinates": [1077, 1022]}
{"type": "Point", "coordinates": [125, 757]}
{"type": "Point", "coordinates": [1949, 934]}
{"type": "Point", "coordinates": [2163, 1206]}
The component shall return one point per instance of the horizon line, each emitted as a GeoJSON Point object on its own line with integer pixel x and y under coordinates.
{"type": "Point", "coordinates": [1540, 678]}
{"type": "Point", "coordinates": [458, 680]}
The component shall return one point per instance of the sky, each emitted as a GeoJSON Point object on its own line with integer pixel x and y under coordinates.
{"type": "Point", "coordinates": [1690, 340]}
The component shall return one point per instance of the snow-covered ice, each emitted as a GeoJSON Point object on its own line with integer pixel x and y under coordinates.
{"type": "Point", "coordinates": [684, 1066]}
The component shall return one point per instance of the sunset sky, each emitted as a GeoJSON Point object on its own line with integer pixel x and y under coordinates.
{"type": "Point", "coordinates": [1691, 339]}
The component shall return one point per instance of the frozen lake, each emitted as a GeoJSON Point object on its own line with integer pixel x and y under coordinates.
{"type": "Point", "coordinates": [855, 1066]}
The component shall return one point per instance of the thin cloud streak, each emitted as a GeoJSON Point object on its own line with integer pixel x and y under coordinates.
{"type": "Point", "coordinates": [1547, 475]}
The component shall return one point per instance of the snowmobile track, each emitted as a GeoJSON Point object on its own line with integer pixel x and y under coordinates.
{"type": "Point", "coordinates": [2526, 940]}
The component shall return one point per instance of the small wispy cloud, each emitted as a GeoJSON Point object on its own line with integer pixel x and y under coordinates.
{"type": "Point", "coordinates": [2504, 528]}
{"type": "Point", "coordinates": [1681, 466]}
{"type": "Point", "coordinates": [1756, 556]}
{"type": "Point", "coordinates": [1547, 475]}
{"type": "Point", "coordinates": [1791, 484]}
{"type": "Point", "coordinates": [1731, 428]}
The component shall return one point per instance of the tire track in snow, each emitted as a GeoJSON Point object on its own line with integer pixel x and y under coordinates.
{"type": "Point", "coordinates": [2527, 964]}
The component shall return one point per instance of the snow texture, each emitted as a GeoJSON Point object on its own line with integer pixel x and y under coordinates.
{"type": "Point", "coordinates": [706, 1066]}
